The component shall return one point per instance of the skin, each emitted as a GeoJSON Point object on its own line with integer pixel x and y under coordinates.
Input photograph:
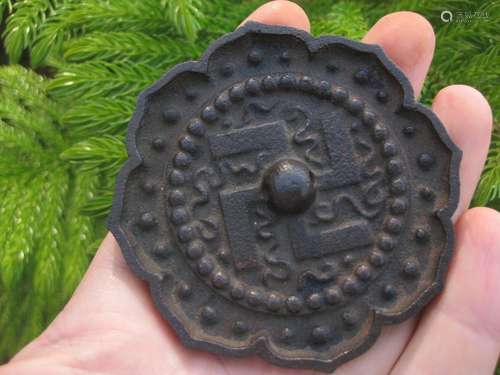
{"type": "Point", "coordinates": [110, 325]}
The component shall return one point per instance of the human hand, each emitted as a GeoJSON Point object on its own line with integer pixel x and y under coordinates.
{"type": "Point", "coordinates": [111, 326]}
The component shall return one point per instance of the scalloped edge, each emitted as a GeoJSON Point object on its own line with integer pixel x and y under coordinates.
{"type": "Point", "coordinates": [261, 345]}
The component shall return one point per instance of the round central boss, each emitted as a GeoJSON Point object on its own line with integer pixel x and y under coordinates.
{"type": "Point", "coordinates": [290, 186]}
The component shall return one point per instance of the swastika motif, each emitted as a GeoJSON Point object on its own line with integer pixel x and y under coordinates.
{"type": "Point", "coordinates": [286, 196]}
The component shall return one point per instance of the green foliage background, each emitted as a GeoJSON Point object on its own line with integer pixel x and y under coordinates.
{"type": "Point", "coordinates": [69, 76]}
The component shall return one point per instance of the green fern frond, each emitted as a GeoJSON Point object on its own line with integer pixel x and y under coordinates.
{"type": "Point", "coordinates": [48, 257]}
{"type": "Point", "coordinates": [133, 46]}
{"type": "Point", "coordinates": [22, 216]}
{"type": "Point", "coordinates": [106, 154]}
{"type": "Point", "coordinates": [185, 15]}
{"type": "Point", "coordinates": [488, 189]}
{"type": "Point", "coordinates": [344, 19]}
{"type": "Point", "coordinates": [79, 231]}
{"type": "Point", "coordinates": [102, 116]}
{"type": "Point", "coordinates": [23, 24]}
{"type": "Point", "coordinates": [100, 204]}
{"type": "Point", "coordinates": [5, 8]}
{"type": "Point", "coordinates": [102, 79]}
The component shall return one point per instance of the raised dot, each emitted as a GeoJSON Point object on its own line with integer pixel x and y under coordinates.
{"type": "Point", "coordinates": [205, 266]}
{"type": "Point", "coordinates": [386, 243]}
{"type": "Point", "coordinates": [363, 272]}
{"type": "Point", "coordinates": [147, 221]}
{"type": "Point", "coordinates": [285, 57]}
{"type": "Point", "coordinates": [184, 290]}
{"type": "Point", "coordinates": [158, 144]}
{"type": "Point", "coordinates": [222, 102]}
{"type": "Point", "coordinates": [398, 186]}
{"type": "Point", "coordinates": [179, 216]}
{"type": "Point", "coordinates": [287, 334]}
{"type": "Point", "coordinates": [187, 144]}
{"type": "Point", "coordinates": [161, 250]}
{"type": "Point", "coordinates": [398, 206]}
{"type": "Point", "coordinates": [209, 315]}
{"type": "Point", "coordinates": [355, 126]}
{"type": "Point", "coordinates": [320, 335]}
{"type": "Point", "coordinates": [220, 280]}
{"type": "Point", "coordinates": [382, 96]}
{"type": "Point", "coordinates": [294, 304]}
{"type": "Point", "coordinates": [287, 81]}
{"type": "Point", "coordinates": [252, 86]}
{"type": "Point", "coordinates": [196, 128]}
{"type": "Point", "coordinates": [422, 235]}
{"type": "Point", "coordinates": [255, 298]}
{"type": "Point", "coordinates": [227, 70]}
{"type": "Point", "coordinates": [339, 95]}
{"type": "Point", "coordinates": [347, 260]}
{"type": "Point", "coordinates": [195, 249]}
{"type": "Point", "coordinates": [255, 57]}
{"type": "Point", "coordinates": [350, 286]}
{"type": "Point", "coordinates": [350, 318]}
{"type": "Point", "coordinates": [426, 161]}
{"type": "Point", "coordinates": [389, 149]}
{"type": "Point", "coordinates": [191, 94]}
{"type": "Point", "coordinates": [148, 187]}
{"type": "Point", "coordinates": [171, 116]}
{"type": "Point", "coordinates": [176, 198]}
{"type": "Point", "coordinates": [209, 114]}
{"type": "Point", "coordinates": [268, 83]}
{"type": "Point", "coordinates": [362, 76]}
{"type": "Point", "coordinates": [331, 67]}
{"type": "Point", "coordinates": [354, 105]}
{"type": "Point", "coordinates": [314, 301]}
{"type": "Point", "coordinates": [394, 225]}
{"type": "Point", "coordinates": [240, 327]}
{"type": "Point", "coordinates": [409, 131]}
{"type": "Point", "coordinates": [227, 123]}
{"type": "Point", "coordinates": [323, 89]}
{"type": "Point", "coordinates": [274, 302]}
{"type": "Point", "coordinates": [306, 84]}
{"type": "Point", "coordinates": [411, 268]}
{"type": "Point", "coordinates": [369, 118]}
{"type": "Point", "coordinates": [333, 295]}
{"type": "Point", "coordinates": [185, 233]}
{"type": "Point", "coordinates": [427, 194]}
{"type": "Point", "coordinates": [237, 292]}
{"type": "Point", "coordinates": [237, 93]}
{"type": "Point", "coordinates": [379, 132]}
{"type": "Point", "coordinates": [377, 259]}
{"type": "Point", "coordinates": [394, 167]}
{"type": "Point", "coordinates": [182, 160]}
{"type": "Point", "coordinates": [389, 292]}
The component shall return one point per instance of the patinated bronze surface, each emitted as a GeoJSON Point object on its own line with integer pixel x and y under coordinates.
{"type": "Point", "coordinates": [286, 196]}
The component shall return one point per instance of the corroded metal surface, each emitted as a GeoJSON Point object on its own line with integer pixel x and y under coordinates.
{"type": "Point", "coordinates": [285, 196]}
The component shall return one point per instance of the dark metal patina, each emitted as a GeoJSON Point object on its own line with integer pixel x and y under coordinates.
{"type": "Point", "coordinates": [286, 196]}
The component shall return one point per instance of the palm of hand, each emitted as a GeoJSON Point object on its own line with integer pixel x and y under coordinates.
{"type": "Point", "coordinates": [111, 326]}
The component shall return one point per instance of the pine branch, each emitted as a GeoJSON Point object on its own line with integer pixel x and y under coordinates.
{"type": "Point", "coordinates": [101, 116]}
{"type": "Point", "coordinates": [76, 17]}
{"type": "Point", "coordinates": [48, 258]}
{"type": "Point", "coordinates": [22, 217]}
{"type": "Point", "coordinates": [23, 24]}
{"type": "Point", "coordinates": [130, 46]}
{"type": "Point", "coordinates": [79, 231]}
{"type": "Point", "coordinates": [344, 19]}
{"type": "Point", "coordinates": [106, 154]}
{"type": "Point", "coordinates": [488, 190]}
{"type": "Point", "coordinates": [5, 8]}
{"type": "Point", "coordinates": [185, 15]}
{"type": "Point", "coordinates": [102, 79]}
